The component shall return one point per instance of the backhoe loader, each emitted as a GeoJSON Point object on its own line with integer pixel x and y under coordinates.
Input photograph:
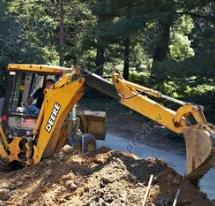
{"type": "Point", "coordinates": [49, 131]}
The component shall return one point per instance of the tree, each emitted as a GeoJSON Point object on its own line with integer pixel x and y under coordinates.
{"type": "Point", "coordinates": [61, 52]}
{"type": "Point", "coordinates": [37, 29]}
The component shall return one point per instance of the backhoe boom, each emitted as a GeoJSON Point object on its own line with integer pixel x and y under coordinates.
{"type": "Point", "coordinates": [59, 100]}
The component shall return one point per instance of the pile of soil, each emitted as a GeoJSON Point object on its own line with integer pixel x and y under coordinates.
{"type": "Point", "coordinates": [104, 178]}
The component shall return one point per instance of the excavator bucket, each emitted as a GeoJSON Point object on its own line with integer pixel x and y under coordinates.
{"type": "Point", "coordinates": [200, 150]}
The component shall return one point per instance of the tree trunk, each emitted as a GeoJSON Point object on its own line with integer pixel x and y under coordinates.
{"type": "Point", "coordinates": [162, 49]}
{"type": "Point", "coordinates": [100, 60]}
{"type": "Point", "coordinates": [126, 58]}
{"type": "Point", "coordinates": [61, 53]}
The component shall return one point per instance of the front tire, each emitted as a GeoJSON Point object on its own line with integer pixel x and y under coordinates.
{"type": "Point", "coordinates": [4, 166]}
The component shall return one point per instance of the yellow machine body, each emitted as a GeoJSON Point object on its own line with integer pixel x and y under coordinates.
{"type": "Point", "coordinates": [50, 131]}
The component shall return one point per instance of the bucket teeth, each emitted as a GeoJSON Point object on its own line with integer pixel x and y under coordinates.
{"type": "Point", "coordinates": [200, 150]}
{"type": "Point", "coordinates": [197, 174]}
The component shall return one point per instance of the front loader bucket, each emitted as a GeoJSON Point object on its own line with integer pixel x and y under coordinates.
{"type": "Point", "coordinates": [200, 150]}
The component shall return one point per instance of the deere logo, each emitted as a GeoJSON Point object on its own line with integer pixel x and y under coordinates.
{"type": "Point", "coordinates": [53, 117]}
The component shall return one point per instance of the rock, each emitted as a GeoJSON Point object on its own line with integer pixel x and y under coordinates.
{"type": "Point", "coordinates": [19, 183]}
{"type": "Point", "coordinates": [134, 165]}
{"type": "Point", "coordinates": [55, 156]}
{"type": "Point", "coordinates": [104, 181]}
{"type": "Point", "coordinates": [131, 178]}
{"type": "Point", "coordinates": [26, 176]}
{"type": "Point", "coordinates": [61, 157]}
{"type": "Point", "coordinates": [48, 173]}
{"type": "Point", "coordinates": [12, 186]}
{"type": "Point", "coordinates": [4, 194]}
{"type": "Point", "coordinates": [177, 180]}
{"type": "Point", "coordinates": [2, 203]}
{"type": "Point", "coordinates": [169, 177]}
{"type": "Point", "coordinates": [9, 186]}
{"type": "Point", "coordinates": [71, 186]}
{"type": "Point", "coordinates": [99, 202]}
{"type": "Point", "coordinates": [108, 197]}
{"type": "Point", "coordinates": [86, 189]}
{"type": "Point", "coordinates": [118, 163]}
{"type": "Point", "coordinates": [5, 185]}
{"type": "Point", "coordinates": [163, 201]}
{"type": "Point", "coordinates": [67, 149]}
{"type": "Point", "coordinates": [48, 162]}
{"type": "Point", "coordinates": [140, 184]}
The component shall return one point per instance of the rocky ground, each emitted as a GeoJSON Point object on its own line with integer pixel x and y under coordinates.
{"type": "Point", "coordinates": [104, 178]}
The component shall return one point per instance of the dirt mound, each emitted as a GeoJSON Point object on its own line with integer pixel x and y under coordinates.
{"type": "Point", "coordinates": [104, 178]}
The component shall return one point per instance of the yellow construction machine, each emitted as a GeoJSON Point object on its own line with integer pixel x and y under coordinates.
{"type": "Point", "coordinates": [27, 139]}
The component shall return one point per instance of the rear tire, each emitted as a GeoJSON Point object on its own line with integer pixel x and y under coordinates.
{"type": "Point", "coordinates": [88, 143]}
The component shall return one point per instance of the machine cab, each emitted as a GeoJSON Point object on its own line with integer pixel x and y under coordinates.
{"type": "Point", "coordinates": [22, 82]}
{"type": "Point", "coordinates": [20, 85]}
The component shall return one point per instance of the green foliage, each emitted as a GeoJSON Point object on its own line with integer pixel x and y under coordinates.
{"type": "Point", "coordinates": [180, 47]}
{"type": "Point", "coordinates": [99, 30]}
{"type": "Point", "coordinates": [21, 33]}
{"type": "Point", "coordinates": [139, 77]}
{"type": "Point", "coordinates": [30, 33]}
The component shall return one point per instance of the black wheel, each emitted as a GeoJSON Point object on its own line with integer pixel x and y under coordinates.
{"type": "Point", "coordinates": [88, 143]}
{"type": "Point", "coordinates": [10, 166]}
{"type": "Point", "coordinates": [4, 166]}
